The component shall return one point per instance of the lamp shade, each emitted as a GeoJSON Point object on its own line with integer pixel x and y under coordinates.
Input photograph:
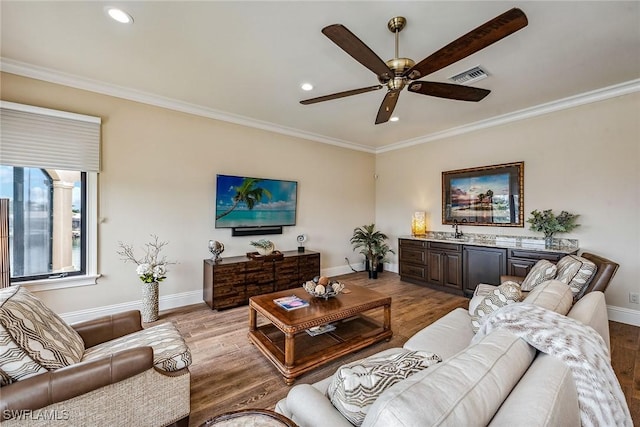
{"type": "Point", "coordinates": [419, 223]}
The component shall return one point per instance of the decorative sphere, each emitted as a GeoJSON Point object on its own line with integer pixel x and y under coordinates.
{"type": "Point", "coordinates": [320, 289]}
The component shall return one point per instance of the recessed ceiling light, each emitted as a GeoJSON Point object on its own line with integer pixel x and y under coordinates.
{"type": "Point", "coordinates": [119, 15]}
{"type": "Point", "coordinates": [306, 86]}
{"type": "Point", "coordinates": [394, 119]}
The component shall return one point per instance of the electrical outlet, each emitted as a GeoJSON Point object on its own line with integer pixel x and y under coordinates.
{"type": "Point", "coordinates": [634, 298]}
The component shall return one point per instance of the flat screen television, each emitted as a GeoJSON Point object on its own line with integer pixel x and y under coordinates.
{"type": "Point", "coordinates": [255, 202]}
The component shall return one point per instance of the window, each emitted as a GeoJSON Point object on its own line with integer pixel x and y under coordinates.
{"type": "Point", "coordinates": [49, 163]}
{"type": "Point", "coordinates": [46, 238]}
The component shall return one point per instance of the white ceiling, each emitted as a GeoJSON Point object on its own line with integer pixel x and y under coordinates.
{"type": "Point", "coordinates": [244, 61]}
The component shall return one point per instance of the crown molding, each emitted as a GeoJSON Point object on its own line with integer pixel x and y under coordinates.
{"type": "Point", "coordinates": [538, 110]}
{"type": "Point", "coordinates": [53, 76]}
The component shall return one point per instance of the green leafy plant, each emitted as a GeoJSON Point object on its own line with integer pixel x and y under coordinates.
{"type": "Point", "coordinates": [549, 224]}
{"type": "Point", "coordinates": [382, 250]}
{"type": "Point", "coordinates": [262, 243]}
{"type": "Point", "coordinates": [371, 243]}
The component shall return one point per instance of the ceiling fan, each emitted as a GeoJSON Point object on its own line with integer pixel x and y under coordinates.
{"type": "Point", "coordinates": [397, 73]}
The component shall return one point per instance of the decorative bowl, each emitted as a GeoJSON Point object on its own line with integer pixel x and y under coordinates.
{"type": "Point", "coordinates": [317, 290]}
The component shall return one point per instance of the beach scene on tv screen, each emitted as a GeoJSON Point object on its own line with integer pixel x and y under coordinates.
{"type": "Point", "coordinates": [254, 202]}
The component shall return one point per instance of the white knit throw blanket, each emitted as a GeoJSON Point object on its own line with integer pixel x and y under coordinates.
{"type": "Point", "coordinates": [600, 397]}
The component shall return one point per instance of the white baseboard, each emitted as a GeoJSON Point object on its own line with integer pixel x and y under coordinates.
{"type": "Point", "coordinates": [165, 302]}
{"type": "Point", "coordinates": [624, 315]}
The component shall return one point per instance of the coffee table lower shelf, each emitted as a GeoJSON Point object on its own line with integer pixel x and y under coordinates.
{"type": "Point", "coordinates": [350, 335]}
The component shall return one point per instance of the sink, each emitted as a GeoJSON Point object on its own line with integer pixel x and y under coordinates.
{"type": "Point", "coordinates": [456, 239]}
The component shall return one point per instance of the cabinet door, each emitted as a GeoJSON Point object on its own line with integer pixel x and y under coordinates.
{"type": "Point", "coordinates": [309, 267]}
{"type": "Point", "coordinates": [435, 271]}
{"type": "Point", "coordinates": [483, 265]}
{"type": "Point", "coordinates": [520, 267]}
{"type": "Point", "coordinates": [259, 278]}
{"type": "Point", "coordinates": [452, 268]}
{"type": "Point", "coordinates": [286, 273]}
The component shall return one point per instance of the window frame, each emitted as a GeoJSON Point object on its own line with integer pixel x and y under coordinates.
{"type": "Point", "coordinates": [91, 273]}
{"type": "Point", "coordinates": [49, 129]}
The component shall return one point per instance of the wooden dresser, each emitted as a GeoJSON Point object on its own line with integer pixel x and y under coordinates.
{"type": "Point", "coordinates": [231, 281]}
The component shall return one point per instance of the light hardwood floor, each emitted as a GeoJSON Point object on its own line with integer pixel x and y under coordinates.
{"type": "Point", "coordinates": [228, 373]}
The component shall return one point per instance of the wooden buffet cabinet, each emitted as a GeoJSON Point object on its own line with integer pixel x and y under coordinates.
{"type": "Point", "coordinates": [231, 281]}
{"type": "Point", "coordinates": [458, 268]}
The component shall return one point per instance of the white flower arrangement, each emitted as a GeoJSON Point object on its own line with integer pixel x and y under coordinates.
{"type": "Point", "coordinates": [151, 268]}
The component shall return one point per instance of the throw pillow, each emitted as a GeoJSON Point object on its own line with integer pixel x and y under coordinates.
{"type": "Point", "coordinates": [507, 293]}
{"type": "Point", "coordinates": [552, 295]}
{"type": "Point", "coordinates": [37, 330]}
{"type": "Point", "coordinates": [357, 385]}
{"type": "Point", "coordinates": [543, 270]}
{"type": "Point", "coordinates": [15, 363]}
{"type": "Point", "coordinates": [576, 272]}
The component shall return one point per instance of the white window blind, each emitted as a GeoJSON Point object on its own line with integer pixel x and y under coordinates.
{"type": "Point", "coordinates": [43, 138]}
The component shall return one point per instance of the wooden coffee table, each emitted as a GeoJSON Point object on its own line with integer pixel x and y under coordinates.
{"type": "Point", "coordinates": [285, 342]}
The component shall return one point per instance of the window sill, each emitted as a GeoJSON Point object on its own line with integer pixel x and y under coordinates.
{"type": "Point", "coordinates": [62, 283]}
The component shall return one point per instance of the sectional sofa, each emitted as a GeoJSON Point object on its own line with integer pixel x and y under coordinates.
{"type": "Point", "coordinates": [497, 380]}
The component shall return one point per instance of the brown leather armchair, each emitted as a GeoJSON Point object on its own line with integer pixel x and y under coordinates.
{"type": "Point", "coordinates": [606, 269]}
{"type": "Point", "coordinates": [122, 388]}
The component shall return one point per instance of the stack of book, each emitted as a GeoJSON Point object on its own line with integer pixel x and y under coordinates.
{"type": "Point", "coordinates": [291, 302]}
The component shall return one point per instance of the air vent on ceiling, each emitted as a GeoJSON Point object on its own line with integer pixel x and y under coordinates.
{"type": "Point", "coordinates": [472, 75]}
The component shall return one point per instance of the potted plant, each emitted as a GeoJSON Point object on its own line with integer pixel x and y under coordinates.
{"type": "Point", "coordinates": [381, 252]}
{"type": "Point", "coordinates": [549, 224]}
{"type": "Point", "coordinates": [263, 246]}
{"type": "Point", "coordinates": [369, 240]}
{"type": "Point", "coordinates": [152, 269]}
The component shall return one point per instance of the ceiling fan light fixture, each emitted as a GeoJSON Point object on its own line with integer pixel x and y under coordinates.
{"type": "Point", "coordinates": [394, 119]}
{"type": "Point", "coordinates": [119, 15]}
{"type": "Point", "coordinates": [306, 86]}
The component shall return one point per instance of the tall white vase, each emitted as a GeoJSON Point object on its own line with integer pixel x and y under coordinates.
{"type": "Point", "coordinates": [149, 302]}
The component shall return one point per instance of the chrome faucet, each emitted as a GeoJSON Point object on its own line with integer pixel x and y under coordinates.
{"type": "Point", "coordinates": [458, 234]}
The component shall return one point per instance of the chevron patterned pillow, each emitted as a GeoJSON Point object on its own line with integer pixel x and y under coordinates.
{"type": "Point", "coordinates": [506, 293]}
{"type": "Point", "coordinates": [576, 272]}
{"type": "Point", "coordinates": [541, 272]}
{"type": "Point", "coordinates": [37, 330]}
{"type": "Point", "coordinates": [357, 385]}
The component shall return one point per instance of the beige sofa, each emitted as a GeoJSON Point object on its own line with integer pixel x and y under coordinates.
{"type": "Point", "coordinates": [499, 381]}
{"type": "Point", "coordinates": [104, 372]}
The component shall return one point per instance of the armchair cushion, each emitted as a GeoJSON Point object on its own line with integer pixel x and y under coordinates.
{"type": "Point", "coordinates": [37, 330]}
{"type": "Point", "coordinates": [542, 271]}
{"type": "Point", "coordinates": [170, 353]}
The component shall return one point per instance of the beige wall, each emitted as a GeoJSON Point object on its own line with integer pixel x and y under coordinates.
{"type": "Point", "coordinates": [585, 160]}
{"type": "Point", "coordinates": [158, 176]}
{"type": "Point", "coordinates": [159, 167]}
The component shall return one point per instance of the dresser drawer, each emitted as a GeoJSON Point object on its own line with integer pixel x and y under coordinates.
{"type": "Point", "coordinates": [413, 271]}
{"type": "Point", "coordinates": [535, 255]}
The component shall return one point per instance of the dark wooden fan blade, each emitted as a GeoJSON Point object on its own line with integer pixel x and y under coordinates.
{"type": "Point", "coordinates": [387, 106]}
{"type": "Point", "coordinates": [347, 41]}
{"type": "Point", "coordinates": [475, 40]}
{"type": "Point", "coordinates": [449, 91]}
{"type": "Point", "coordinates": [340, 95]}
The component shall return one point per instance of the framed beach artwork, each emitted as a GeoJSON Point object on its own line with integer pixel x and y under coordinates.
{"type": "Point", "coordinates": [488, 195]}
